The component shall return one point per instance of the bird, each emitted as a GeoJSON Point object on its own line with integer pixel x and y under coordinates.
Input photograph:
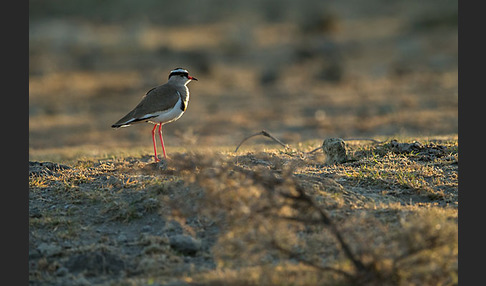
{"type": "Point", "coordinates": [160, 105]}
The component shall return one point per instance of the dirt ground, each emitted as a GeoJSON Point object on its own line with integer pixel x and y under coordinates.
{"type": "Point", "coordinates": [102, 213]}
{"type": "Point", "coordinates": [187, 221]}
{"type": "Point", "coordinates": [302, 72]}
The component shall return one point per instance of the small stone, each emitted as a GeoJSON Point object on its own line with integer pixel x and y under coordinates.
{"type": "Point", "coordinates": [335, 150]}
{"type": "Point", "coordinates": [49, 249]}
{"type": "Point", "coordinates": [186, 245]}
{"type": "Point", "coordinates": [95, 263]}
{"type": "Point", "coordinates": [156, 166]}
{"type": "Point", "coordinates": [35, 213]}
{"type": "Point", "coordinates": [405, 147]}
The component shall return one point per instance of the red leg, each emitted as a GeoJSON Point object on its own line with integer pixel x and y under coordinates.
{"type": "Point", "coordinates": [162, 140]}
{"type": "Point", "coordinates": [155, 148]}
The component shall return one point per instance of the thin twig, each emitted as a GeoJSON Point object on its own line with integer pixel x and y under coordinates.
{"type": "Point", "coordinates": [314, 150]}
{"type": "Point", "coordinates": [412, 252]}
{"type": "Point", "coordinates": [366, 139]}
{"type": "Point", "coordinates": [301, 259]}
{"type": "Point", "coordinates": [269, 182]}
{"type": "Point", "coordinates": [326, 219]}
{"type": "Point", "coordinates": [298, 219]}
{"type": "Point", "coordinates": [267, 134]}
{"type": "Point", "coordinates": [353, 139]}
{"type": "Point", "coordinates": [264, 133]}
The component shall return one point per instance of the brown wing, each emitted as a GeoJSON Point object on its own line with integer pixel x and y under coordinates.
{"type": "Point", "coordinates": [157, 99]}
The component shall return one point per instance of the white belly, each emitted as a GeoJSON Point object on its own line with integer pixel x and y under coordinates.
{"type": "Point", "coordinates": [168, 115]}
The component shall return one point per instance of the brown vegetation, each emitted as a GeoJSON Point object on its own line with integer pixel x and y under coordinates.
{"type": "Point", "coordinates": [101, 212]}
{"type": "Point", "coordinates": [271, 217]}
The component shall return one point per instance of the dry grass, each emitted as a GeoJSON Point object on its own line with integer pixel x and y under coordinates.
{"type": "Point", "coordinates": [304, 71]}
{"type": "Point", "coordinates": [273, 217]}
{"type": "Point", "coordinates": [298, 76]}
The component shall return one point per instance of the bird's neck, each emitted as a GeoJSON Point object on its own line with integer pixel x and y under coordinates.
{"type": "Point", "coordinates": [184, 93]}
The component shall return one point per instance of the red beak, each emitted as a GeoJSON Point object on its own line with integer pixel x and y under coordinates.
{"type": "Point", "coordinates": [191, 78]}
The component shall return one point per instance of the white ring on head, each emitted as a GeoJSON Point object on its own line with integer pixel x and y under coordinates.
{"type": "Point", "coordinates": [179, 70]}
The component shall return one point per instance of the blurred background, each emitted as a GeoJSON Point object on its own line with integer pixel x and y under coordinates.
{"type": "Point", "coordinates": [303, 70]}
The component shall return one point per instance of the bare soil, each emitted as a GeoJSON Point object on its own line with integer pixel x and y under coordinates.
{"type": "Point", "coordinates": [130, 221]}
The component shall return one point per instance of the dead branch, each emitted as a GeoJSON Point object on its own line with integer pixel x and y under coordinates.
{"type": "Point", "coordinates": [305, 261]}
{"type": "Point", "coordinates": [270, 182]}
{"type": "Point", "coordinates": [264, 133]}
{"type": "Point", "coordinates": [320, 147]}
{"type": "Point", "coordinates": [326, 220]}
{"type": "Point", "coordinates": [366, 139]}
{"type": "Point", "coordinates": [267, 134]}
